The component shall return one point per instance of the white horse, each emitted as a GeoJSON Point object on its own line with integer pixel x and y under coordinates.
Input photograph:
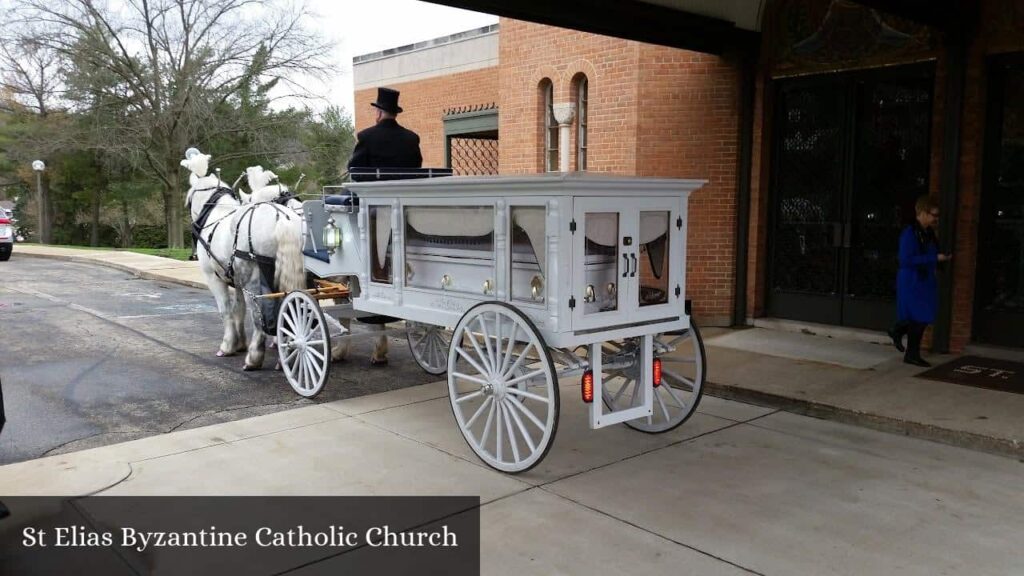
{"type": "Point", "coordinates": [263, 191]}
{"type": "Point", "coordinates": [225, 226]}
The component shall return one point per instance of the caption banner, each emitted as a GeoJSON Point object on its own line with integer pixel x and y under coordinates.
{"type": "Point", "coordinates": [240, 535]}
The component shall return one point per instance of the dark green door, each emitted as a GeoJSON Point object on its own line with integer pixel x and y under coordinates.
{"type": "Point", "coordinates": [851, 155]}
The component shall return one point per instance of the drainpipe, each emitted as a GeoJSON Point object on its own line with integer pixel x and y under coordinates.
{"type": "Point", "coordinates": [564, 113]}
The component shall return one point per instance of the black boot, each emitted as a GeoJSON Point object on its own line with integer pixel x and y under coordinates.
{"type": "Point", "coordinates": [915, 332]}
{"type": "Point", "coordinates": [897, 332]}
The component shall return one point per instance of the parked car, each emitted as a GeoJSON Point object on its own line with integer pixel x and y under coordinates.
{"type": "Point", "coordinates": [6, 239]}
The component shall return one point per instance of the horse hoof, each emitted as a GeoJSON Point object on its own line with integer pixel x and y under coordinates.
{"type": "Point", "coordinates": [220, 354]}
{"type": "Point", "coordinates": [378, 363]}
{"type": "Point", "coordinates": [248, 368]}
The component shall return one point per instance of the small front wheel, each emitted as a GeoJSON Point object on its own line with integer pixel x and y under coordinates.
{"type": "Point", "coordinates": [303, 344]}
{"type": "Point", "coordinates": [502, 386]}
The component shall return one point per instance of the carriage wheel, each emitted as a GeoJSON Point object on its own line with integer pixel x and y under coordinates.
{"type": "Point", "coordinates": [502, 387]}
{"type": "Point", "coordinates": [429, 346]}
{"type": "Point", "coordinates": [683, 370]}
{"type": "Point", "coordinates": [304, 344]}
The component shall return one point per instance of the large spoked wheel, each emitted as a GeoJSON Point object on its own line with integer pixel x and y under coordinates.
{"type": "Point", "coordinates": [502, 386]}
{"type": "Point", "coordinates": [683, 370]}
{"type": "Point", "coordinates": [304, 344]}
{"type": "Point", "coordinates": [429, 346]}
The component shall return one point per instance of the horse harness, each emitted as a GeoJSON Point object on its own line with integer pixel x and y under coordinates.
{"type": "Point", "coordinates": [266, 264]}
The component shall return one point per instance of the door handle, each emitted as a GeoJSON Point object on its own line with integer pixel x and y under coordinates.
{"type": "Point", "coordinates": [633, 273]}
{"type": "Point", "coordinates": [625, 271]}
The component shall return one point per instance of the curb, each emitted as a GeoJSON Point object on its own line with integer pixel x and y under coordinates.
{"type": "Point", "coordinates": [144, 274]}
{"type": "Point", "coordinates": [969, 440]}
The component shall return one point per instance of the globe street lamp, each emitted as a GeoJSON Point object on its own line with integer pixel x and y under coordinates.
{"type": "Point", "coordinates": [38, 166]}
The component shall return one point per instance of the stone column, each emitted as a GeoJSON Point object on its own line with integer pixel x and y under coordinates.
{"type": "Point", "coordinates": [564, 113]}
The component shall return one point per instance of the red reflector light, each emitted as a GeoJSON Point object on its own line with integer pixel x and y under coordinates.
{"type": "Point", "coordinates": [657, 372]}
{"type": "Point", "coordinates": [588, 386]}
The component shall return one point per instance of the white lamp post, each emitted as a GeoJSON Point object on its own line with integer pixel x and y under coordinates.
{"type": "Point", "coordinates": [38, 166]}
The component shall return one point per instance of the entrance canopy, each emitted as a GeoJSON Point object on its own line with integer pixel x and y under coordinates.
{"type": "Point", "coordinates": [710, 26]}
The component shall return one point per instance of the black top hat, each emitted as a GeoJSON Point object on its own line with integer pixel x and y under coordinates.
{"type": "Point", "coordinates": [387, 100]}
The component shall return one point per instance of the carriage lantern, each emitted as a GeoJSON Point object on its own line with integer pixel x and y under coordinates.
{"type": "Point", "coordinates": [191, 152]}
{"type": "Point", "coordinates": [332, 236]}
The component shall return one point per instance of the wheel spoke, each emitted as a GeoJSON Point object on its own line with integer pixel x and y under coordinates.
{"type": "Point", "coordinates": [518, 379]}
{"type": "Point", "coordinates": [479, 353]}
{"type": "Point", "coordinates": [316, 367]}
{"type": "Point", "coordinates": [618, 394]}
{"type": "Point", "coordinates": [467, 358]}
{"type": "Point", "coordinates": [529, 414]}
{"type": "Point", "coordinates": [487, 342]}
{"type": "Point", "coordinates": [672, 394]}
{"type": "Point", "coordinates": [511, 435]}
{"type": "Point", "coordinates": [529, 395]}
{"type": "Point", "coordinates": [473, 379]}
{"type": "Point", "coordinates": [497, 426]}
{"type": "Point", "coordinates": [469, 396]}
{"type": "Point", "coordinates": [483, 405]}
{"type": "Point", "coordinates": [519, 424]}
{"type": "Point", "coordinates": [518, 362]}
{"type": "Point", "coordinates": [680, 378]}
{"type": "Point", "coordinates": [508, 351]}
{"type": "Point", "coordinates": [487, 426]}
{"type": "Point", "coordinates": [664, 409]}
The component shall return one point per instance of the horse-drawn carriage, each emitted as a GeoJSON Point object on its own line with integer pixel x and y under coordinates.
{"type": "Point", "coordinates": [510, 284]}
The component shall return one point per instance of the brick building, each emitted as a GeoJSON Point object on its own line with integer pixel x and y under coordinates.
{"type": "Point", "coordinates": [816, 122]}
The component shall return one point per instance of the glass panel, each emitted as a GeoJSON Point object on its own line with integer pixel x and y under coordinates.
{"type": "Point", "coordinates": [653, 265]}
{"type": "Point", "coordinates": [601, 262]}
{"type": "Point", "coordinates": [380, 244]}
{"type": "Point", "coordinates": [892, 162]}
{"type": "Point", "coordinates": [1001, 285]}
{"type": "Point", "coordinates": [808, 182]}
{"type": "Point", "coordinates": [528, 263]}
{"type": "Point", "coordinates": [450, 248]}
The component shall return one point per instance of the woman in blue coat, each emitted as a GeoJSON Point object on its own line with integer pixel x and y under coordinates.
{"type": "Point", "coordinates": [917, 287]}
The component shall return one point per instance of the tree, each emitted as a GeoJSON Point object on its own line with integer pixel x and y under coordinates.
{"type": "Point", "coordinates": [167, 68]}
{"type": "Point", "coordinates": [30, 86]}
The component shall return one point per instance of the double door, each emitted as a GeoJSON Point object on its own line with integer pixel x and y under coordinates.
{"type": "Point", "coordinates": [851, 156]}
{"type": "Point", "coordinates": [627, 260]}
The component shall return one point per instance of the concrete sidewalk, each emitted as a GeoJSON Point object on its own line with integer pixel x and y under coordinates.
{"type": "Point", "coordinates": [141, 265]}
{"type": "Point", "coordinates": [849, 381]}
{"type": "Point", "coordinates": [737, 489]}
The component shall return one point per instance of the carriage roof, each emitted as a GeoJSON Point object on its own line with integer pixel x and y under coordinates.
{"type": "Point", "coordinates": [571, 183]}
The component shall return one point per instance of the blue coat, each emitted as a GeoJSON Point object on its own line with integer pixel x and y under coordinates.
{"type": "Point", "coordinates": [917, 288]}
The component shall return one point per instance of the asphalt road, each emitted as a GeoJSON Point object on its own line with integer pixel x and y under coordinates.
{"type": "Point", "coordinates": [93, 356]}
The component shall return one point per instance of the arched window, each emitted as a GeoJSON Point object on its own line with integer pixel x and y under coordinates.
{"type": "Point", "coordinates": [550, 127]}
{"type": "Point", "coordinates": [581, 122]}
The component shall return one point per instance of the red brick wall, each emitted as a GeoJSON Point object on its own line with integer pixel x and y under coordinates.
{"type": "Point", "coordinates": [653, 111]}
{"type": "Point", "coordinates": [425, 101]}
{"type": "Point", "coordinates": [529, 53]}
{"type": "Point", "coordinates": [689, 128]}
{"type": "Point", "coordinates": [1001, 30]}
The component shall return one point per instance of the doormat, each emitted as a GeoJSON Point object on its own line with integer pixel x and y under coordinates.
{"type": "Point", "coordinates": [980, 372]}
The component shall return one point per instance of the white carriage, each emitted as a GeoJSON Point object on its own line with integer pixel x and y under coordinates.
{"type": "Point", "coordinates": [510, 284]}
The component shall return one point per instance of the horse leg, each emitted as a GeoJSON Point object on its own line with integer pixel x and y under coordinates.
{"type": "Point", "coordinates": [225, 306]}
{"type": "Point", "coordinates": [340, 349]}
{"type": "Point", "coordinates": [257, 339]}
{"type": "Point", "coordinates": [238, 318]}
{"type": "Point", "coordinates": [380, 348]}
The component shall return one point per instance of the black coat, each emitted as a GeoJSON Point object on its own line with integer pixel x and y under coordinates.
{"type": "Point", "coordinates": [386, 145]}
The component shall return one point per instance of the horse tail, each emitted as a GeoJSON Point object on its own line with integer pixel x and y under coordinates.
{"type": "Point", "coordinates": [289, 273]}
